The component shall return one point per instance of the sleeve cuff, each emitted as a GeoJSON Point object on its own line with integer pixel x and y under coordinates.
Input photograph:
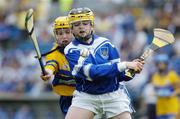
{"type": "Point", "coordinates": [50, 67]}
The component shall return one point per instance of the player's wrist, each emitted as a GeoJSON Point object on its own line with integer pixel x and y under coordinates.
{"type": "Point", "coordinates": [129, 65]}
{"type": "Point", "coordinates": [49, 71]}
{"type": "Point", "coordinates": [122, 66]}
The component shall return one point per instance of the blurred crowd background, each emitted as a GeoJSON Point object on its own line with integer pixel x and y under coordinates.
{"type": "Point", "coordinates": [128, 24]}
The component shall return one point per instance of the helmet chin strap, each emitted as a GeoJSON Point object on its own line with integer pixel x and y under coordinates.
{"type": "Point", "coordinates": [84, 39]}
{"type": "Point", "coordinates": [63, 46]}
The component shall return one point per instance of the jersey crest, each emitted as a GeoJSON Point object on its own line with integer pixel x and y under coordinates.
{"type": "Point", "coordinates": [104, 52]}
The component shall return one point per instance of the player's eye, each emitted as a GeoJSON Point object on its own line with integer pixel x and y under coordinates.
{"type": "Point", "coordinates": [58, 32]}
{"type": "Point", "coordinates": [76, 24]}
{"type": "Point", "coordinates": [85, 22]}
{"type": "Point", "coordinates": [67, 31]}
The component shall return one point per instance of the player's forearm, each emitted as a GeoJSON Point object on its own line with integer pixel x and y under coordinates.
{"type": "Point", "coordinates": [97, 72]}
{"type": "Point", "coordinates": [50, 67]}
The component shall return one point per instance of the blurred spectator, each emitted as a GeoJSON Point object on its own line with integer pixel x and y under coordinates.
{"type": "Point", "coordinates": [149, 97]}
{"type": "Point", "coordinates": [175, 62]}
{"type": "Point", "coordinates": [24, 112]}
{"type": "Point", "coordinates": [165, 82]}
{"type": "Point", "coordinates": [4, 113]}
{"type": "Point", "coordinates": [50, 115]}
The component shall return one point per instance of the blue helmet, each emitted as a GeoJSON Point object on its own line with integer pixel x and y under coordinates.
{"type": "Point", "coordinates": [161, 58]}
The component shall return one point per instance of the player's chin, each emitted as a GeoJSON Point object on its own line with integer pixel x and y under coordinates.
{"type": "Point", "coordinates": [65, 44]}
{"type": "Point", "coordinates": [84, 34]}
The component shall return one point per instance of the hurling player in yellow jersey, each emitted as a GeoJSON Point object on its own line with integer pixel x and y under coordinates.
{"type": "Point", "coordinates": [165, 82]}
{"type": "Point", "coordinates": [57, 66]}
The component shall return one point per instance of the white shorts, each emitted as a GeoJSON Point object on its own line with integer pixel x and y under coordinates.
{"type": "Point", "coordinates": [110, 104]}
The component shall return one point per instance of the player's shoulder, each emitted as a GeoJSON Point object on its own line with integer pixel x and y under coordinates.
{"type": "Point", "coordinates": [55, 46]}
{"type": "Point", "coordinates": [100, 38]}
{"type": "Point", "coordinates": [53, 49]}
{"type": "Point", "coordinates": [53, 53]}
{"type": "Point", "coordinates": [70, 46]}
{"type": "Point", "coordinates": [155, 75]}
{"type": "Point", "coordinates": [102, 41]}
{"type": "Point", "coordinates": [172, 73]}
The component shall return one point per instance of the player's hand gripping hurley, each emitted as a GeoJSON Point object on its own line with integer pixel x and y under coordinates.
{"type": "Point", "coordinates": [29, 24]}
{"type": "Point", "coordinates": [161, 38]}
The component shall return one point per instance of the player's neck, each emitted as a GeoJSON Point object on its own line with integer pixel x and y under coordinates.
{"type": "Point", "coordinates": [86, 40]}
{"type": "Point", "coordinates": [89, 40]}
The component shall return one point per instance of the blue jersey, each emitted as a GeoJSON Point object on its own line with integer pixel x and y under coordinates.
{"type": "Point", "coordinates": [97, 73]}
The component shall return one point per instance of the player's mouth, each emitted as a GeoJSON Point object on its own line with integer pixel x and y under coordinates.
{"type": "Point", "coordinates": [65, 42]}
{"type": "Point", "coordinates": [82, 32]}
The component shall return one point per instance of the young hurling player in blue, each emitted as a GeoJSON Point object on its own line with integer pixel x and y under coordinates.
{"type": "Point", "coordinates": [58, 67]}
{"type": "Point", "coordinates": [96, 65]}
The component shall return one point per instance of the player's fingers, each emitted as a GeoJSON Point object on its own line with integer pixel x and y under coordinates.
{"type": "Point", "coordinates": [134, 65]}
{"type": "Point", "coordinates": [137, 60]}
{"type": "Point", "coordinates": [45, 77]}
{"type": "Point", "coordinates": [139, 67]}
{"type": "Point", "coordinates": [142, 62]}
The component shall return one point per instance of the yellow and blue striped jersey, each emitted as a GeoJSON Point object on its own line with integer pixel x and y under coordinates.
{"type": "Point", "coordinates": [63, 82]}
{"type": "Point", "coordinates": [164, 87]}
